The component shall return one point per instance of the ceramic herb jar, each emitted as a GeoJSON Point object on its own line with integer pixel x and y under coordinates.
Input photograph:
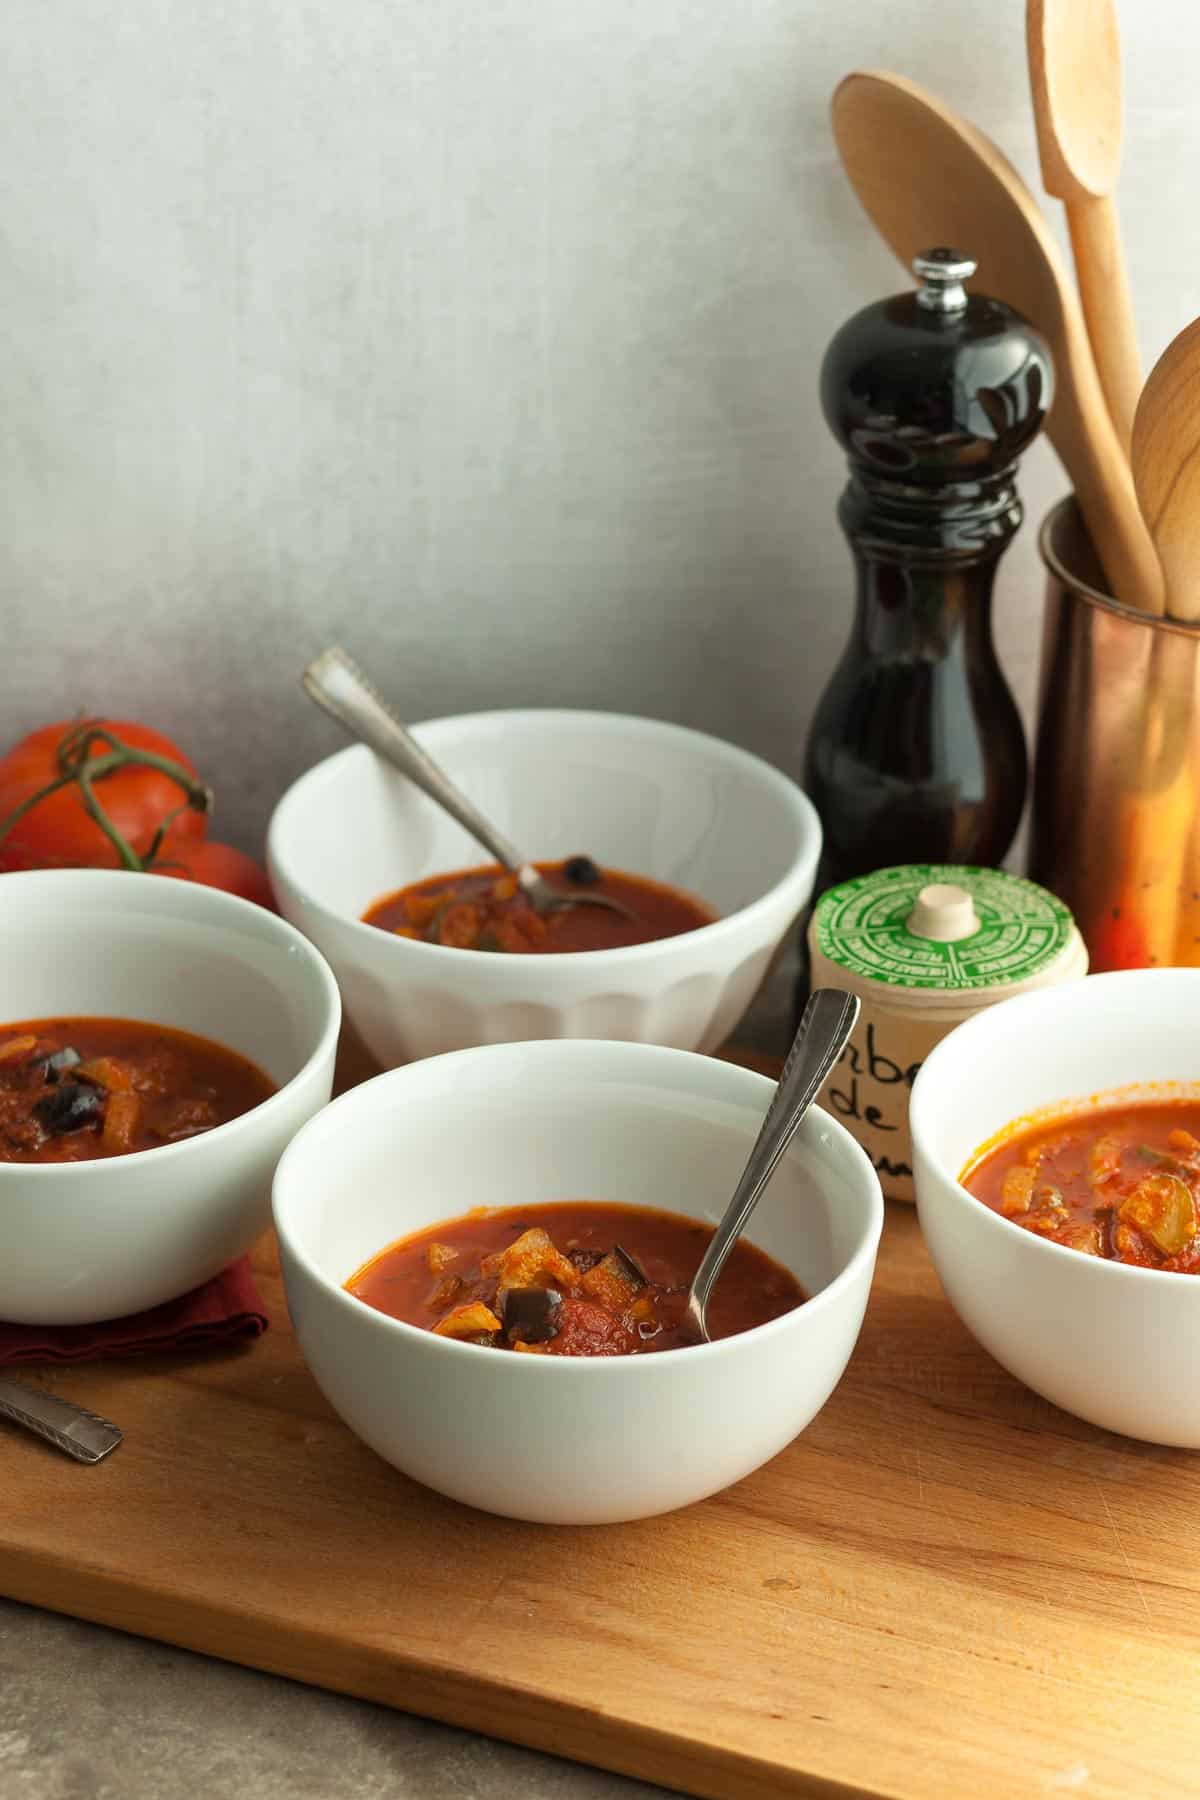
{"type": "Point", "coordinates": [925, 946]}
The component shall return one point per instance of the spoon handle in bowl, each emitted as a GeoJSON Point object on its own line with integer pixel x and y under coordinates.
{"type": "Point", "coordinates": [824, 1032]}
{"type": "Point", "coordinates": [80, 1433]}
{"type": "Point", "coordinates": [343, 691]}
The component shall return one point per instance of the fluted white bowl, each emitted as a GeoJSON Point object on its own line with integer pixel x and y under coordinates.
{"type": "Point", "coordinates": [570, 1440]}
{"type": "Point", "coordinates": [635, 794]}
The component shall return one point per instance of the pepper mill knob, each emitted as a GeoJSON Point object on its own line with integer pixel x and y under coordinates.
{"type": "Point", "coordinates": [942, 273]}
{"type": "Point", "coordinates": [935, 387]}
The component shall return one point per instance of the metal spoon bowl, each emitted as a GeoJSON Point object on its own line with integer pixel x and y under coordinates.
{"type": "Point", "coordinates": [340, 688]}
{"type": "Point", "coordinates": [824, 1032]}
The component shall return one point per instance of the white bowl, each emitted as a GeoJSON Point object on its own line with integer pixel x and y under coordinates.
{"type": "Point", "coordinates": [642, 796]}
{"type": "Point", "coordinates": [1116, 1345]}
{"type": "Point", "coordinates": [80, 1242]}
{"type": "Point", "coordinates": [568, 1440]}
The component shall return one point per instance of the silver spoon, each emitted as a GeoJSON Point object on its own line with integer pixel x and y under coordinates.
{"type": "Point", "coordinates": [824, 1032]}
{"type": "Point", "coordinates": [342, 690]}
{"type": "Point", "coordinates": [80, 1433]}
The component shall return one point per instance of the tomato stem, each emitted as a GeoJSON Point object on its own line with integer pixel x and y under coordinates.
{"type": "Point", "coordinates": [80, 765]}
{"type": "Point", "coordinates": [126, 855]}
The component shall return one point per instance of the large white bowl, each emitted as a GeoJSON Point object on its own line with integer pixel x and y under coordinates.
{"type": "Point", "coordinates": [1116, 1345]}
{"type": "Point", "coordinates": [650, 798]}
{"type": "Point", "coordinates": [80, 1242]}
{"type": "Point", "coordinates": [569, 1440]}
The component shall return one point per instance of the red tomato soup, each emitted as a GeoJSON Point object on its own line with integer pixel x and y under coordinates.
{"type": "Point", "coordinates": [483, 909]}
{"type": "Point", "coordinates": [72, 1090]}
{"type": "Point", "coordinates": [570, 1278]}
{"type": "Point", "coordinates": [1121, 1182]}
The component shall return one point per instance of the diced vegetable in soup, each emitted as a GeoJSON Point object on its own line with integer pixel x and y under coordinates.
{"type": "Point", "coordinates": [570, 1278]}
{"type": "Point", "coordinates": [484, 909]}
{"type": "Point", "coordinates": [1121, 1182]}
{"type": "Point", "coordinates": [72, 1090]}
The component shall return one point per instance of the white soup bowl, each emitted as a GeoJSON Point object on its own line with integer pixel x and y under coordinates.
{"type": "Point", "coordinates": [637, 795]}
{"type": "Point", "coordinates": [81, 1242]}
{"type": "Point", "coordinates": [570, 1440]}
{"type": "Point", "coordinates": [1114, 1344]}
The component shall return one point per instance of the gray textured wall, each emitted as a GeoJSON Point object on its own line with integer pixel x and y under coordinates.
{"type": "Point", "coordinates": [480, 334]}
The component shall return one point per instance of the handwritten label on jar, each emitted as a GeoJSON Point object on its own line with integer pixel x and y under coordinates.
{"type": "Point", "coordinates": [869, 1087]}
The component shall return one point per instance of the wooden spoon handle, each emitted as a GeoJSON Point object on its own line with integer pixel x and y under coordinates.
{"type": "Point", "coordinates": [1083, 435]}
{"type": "Point", "coordinates": [1166, 466]}
{"type": "Point", "coordinates": [1107, 307]}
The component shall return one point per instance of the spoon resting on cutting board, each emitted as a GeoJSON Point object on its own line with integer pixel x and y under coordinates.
{"type": "Point", "coordinates": [73, 1429]}
{"type": "Point", "coordinates": [1075, 74]}
{"type": "Point", "coordinates": [925, 176]}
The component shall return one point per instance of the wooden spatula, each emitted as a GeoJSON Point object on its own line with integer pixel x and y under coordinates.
{"type": "Point", "coordinates": [926, 177]}
{"type": "Point", "coordinates": [1075, 73]}
{"type": "Point", "coordinates": [1166, 467]}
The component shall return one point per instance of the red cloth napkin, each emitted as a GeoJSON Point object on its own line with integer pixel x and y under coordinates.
{"type": "Point", "coordinates": [225, 1308]}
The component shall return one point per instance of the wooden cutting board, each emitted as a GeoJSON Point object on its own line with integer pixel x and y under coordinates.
{"type": "Point", "coordinates": [944, 1587]}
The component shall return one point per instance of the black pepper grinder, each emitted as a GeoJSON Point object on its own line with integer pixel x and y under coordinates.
{"type": "Point", "coordinates": [916, 752]}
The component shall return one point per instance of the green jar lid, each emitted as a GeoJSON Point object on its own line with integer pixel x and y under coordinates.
{"type": "Point", "coordinates": [943, 928]}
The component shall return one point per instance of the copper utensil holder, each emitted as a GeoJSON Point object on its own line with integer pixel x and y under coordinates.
{"type": "Point", "coordinates": [1117, 763]}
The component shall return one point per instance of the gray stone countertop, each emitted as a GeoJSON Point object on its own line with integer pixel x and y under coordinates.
{"type": "Point", "coordinates": [92, 1714]}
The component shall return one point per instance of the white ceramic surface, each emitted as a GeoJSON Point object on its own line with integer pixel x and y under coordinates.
{"type": "Point", "coordinates": [568, 1440]}
{"type": "Point", "coordinates": [651, 798]}
{"type": "Point", "coordinates": [81, 1242]}
{"type": "Point", "coordinates": [1117, 1346]}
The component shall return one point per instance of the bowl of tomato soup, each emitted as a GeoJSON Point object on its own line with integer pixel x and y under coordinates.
{"type": "Point", "coordinates": [486, 1253]}
{"type": "Point", "coordinates": [1056, 1141]}
{"type": "Point", "coordinates": [710, 850]}
{"type": "Point", "coordinates": [160, 1043]}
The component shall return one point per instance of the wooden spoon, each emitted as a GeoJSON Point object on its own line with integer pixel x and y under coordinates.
{"type": "Point", "coordinates": [1154, 835]}
{"type": "Point", "coordinates": [926, 177]}
{"type": "Point", "coordinates": [1166, 467]}
{"type": "Point", "coordinates": [1075, 72]}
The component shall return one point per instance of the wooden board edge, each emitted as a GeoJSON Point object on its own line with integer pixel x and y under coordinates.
{"type": "Point", "coordinates": [516, 1714]}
